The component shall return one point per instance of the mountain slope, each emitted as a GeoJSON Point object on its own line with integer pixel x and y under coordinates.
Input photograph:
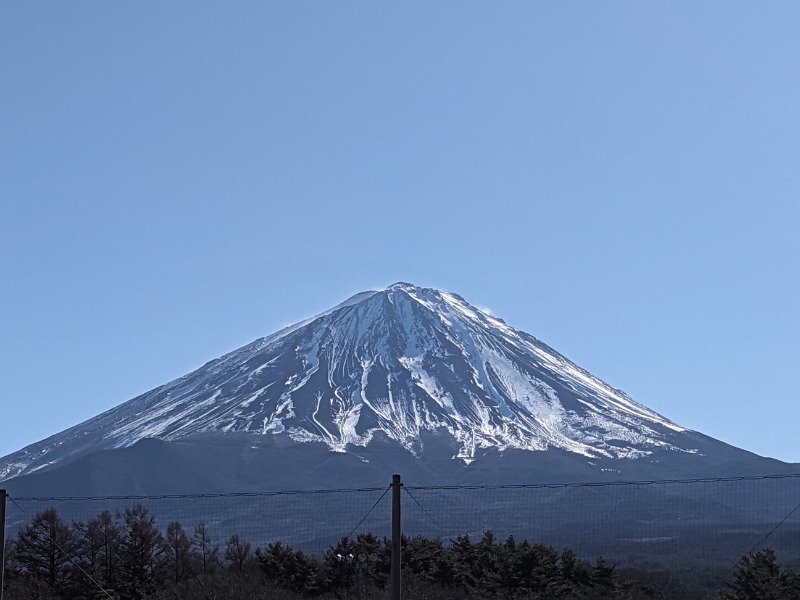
{"type": "Point", "coordinates": [491, 428]}
{"type": "Point", "coordinates": [398, 362]}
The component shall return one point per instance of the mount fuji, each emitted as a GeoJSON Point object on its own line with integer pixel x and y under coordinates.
{"type": "Point", "coordinates": [405, 377]}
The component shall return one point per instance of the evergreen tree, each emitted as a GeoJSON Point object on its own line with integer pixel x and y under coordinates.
{"type": "Point", "coordinates": [486, 567]}
{"type": "Point", "coordinates": [509, 576]}
{"type": "Point", "coordinates": [537, 566]}
{"type": "Point", "coordinates": [371, 569]}
{"type": "Point", "coordinates": [427, 559]}
{"type": "Point", "coordinates": [603, 579]}
{"type": "Point", "coordinates": [289, 569]}
{"type": "Point", "coordinates": [759, 577]}
{"type": "Point", "coordinates": [339, 570]}
{"type": "Point", "coordinates": [466, 569]}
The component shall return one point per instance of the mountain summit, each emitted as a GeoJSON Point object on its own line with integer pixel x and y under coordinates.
{"type": "Point", "coordinates": [399, 363]}
{"type": "Point", "coordinates": [418, 382]}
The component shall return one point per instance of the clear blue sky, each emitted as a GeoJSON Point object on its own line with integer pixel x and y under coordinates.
{"type": "Point", "coordinates": [619, 179]}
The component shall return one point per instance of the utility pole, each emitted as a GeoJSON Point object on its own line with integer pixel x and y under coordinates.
{"type": "Point", "coordinates": [3, 496]}
{"type": "Point", "coordinates": [396, 533]}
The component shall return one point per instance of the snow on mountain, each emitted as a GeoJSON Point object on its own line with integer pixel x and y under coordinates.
{"type": "Point", "coordinates": [402, 361]}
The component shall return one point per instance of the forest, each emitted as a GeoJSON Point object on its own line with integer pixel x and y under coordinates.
{"type": "Point", "coordinates": [127, 556]}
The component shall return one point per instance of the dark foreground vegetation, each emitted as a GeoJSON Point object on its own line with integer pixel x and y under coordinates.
{"type": "Point", "coordinates": [127, 557]}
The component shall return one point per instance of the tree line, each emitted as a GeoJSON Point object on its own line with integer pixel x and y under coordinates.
{"type": "Point", "coordinates": [126, 556]}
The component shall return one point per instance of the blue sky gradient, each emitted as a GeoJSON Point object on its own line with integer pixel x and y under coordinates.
{"type": "Point", "coordinates": [620, 179]}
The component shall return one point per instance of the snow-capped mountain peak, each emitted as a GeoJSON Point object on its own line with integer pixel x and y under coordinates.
{"type": "Point", "coordinates": [400, 362]}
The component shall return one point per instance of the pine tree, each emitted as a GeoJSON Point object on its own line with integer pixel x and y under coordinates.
{"type": "Point", "coordinates": [426, 558]}
{"type": "Point", "coordinates": [603, 578]}
{"type": "Point", "coordinates": [339, 568]}
{"type": "Point", "coordinates": [759, 577]}
{"type": "Point", "coordinates": [289, 569]}
{"type": "Point", "coordinates": [465, 562]}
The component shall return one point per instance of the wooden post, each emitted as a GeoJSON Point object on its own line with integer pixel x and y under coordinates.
{"type": "Point", "coordinates": [3, 496]}
{"type": "Point", "coordinates": [396, 533]}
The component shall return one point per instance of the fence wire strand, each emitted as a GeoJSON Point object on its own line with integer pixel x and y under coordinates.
{"type": "Point", "coordinates": [649, 522]}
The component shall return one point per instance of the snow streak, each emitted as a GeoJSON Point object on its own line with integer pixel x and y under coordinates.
{"type": "Point", "coordinates": [401, 362]}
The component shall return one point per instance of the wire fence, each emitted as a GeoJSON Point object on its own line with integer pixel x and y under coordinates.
{"type": "Point", "coordinates": [653, 525]}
